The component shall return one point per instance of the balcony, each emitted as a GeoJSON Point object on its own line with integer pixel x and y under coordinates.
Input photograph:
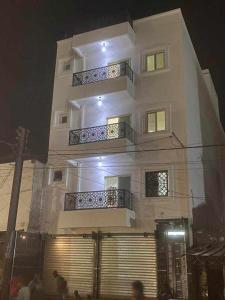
{"type": "Point", "coordinates": [103, 73]}
{"type": "Point", "coordinates": [109, 132]}
{"type": "Point", "coordinates": [116, 198]}
{"type": "Point", "coordinates": [107, 80]}
{"type": "Point", "coordinates": [107, 208]}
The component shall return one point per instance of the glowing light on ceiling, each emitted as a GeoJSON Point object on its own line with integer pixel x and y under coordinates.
{"type": "Point", "coordinates": [103, 44]}
{"type": "Point", "coordinates": [100, 158]}
{"type": "Point", "coordinates": [176, 233]}
{"type": "Point", "coordinates": [99, 100]}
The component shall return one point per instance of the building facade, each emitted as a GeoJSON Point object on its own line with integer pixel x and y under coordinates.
{"type": "Point", "coordinates": [130, 113]}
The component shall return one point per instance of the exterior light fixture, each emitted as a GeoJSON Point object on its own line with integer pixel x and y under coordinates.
{"type": "Point", "coordinates": [23, 237]}
{"type": "Point", "coordinates": [176, 233]}
{"type": "Point", "coordinates": [103, 44]}
{"type": "Point", "coordinates": [99, 100]}
{"type": "Point", "coordinates": [100, 158]}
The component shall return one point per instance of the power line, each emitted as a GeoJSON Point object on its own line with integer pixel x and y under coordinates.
{"type": "Point", "coordinates": [105, 166]}
{"type": "Point", "coordinates": [119, 165]}
{"type": "Point", "coordinates": [137, 151]}
{"type": "Point", "coordinates": [131, 145]}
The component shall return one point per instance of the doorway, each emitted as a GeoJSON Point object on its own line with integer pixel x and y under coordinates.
{"type": "Point", "coordinates": [117, 126]}
{"type": "Point", "coordinates": [215, 283]}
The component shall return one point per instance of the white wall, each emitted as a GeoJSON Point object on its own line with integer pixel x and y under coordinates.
{"type": "Point", "coordinates": [203, 128]}
{"type": "Point", "coordinates": [179, 89]}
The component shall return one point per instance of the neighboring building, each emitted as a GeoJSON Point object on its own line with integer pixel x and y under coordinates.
{"type": "Point", "coordinates": [116, 204]}
{"type": "Point", "coordinates": [27, 252]}
{"type": "Point", "coordinates": [6, 179]}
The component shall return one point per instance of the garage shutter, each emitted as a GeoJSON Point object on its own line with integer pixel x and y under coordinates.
{"type": "Point", "coordinates": [125, 259]}
{"type": "Point", "coordinates": [73, 258]}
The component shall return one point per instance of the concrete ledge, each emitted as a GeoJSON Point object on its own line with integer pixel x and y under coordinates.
{"type": "Point", "coordinates": [104, 217]}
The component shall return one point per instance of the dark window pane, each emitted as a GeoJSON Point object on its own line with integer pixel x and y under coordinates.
{"type": "Point", "coordinates": [57, 176]}
{"type": "Point", "coordinates": [64, 119]}
{"type": "Point", "coordinates": [67, 67]}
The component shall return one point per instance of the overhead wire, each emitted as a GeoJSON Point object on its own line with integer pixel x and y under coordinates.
{"type": "Point", "coordinates": [152, 141]}
{"type": "Point", "coordinates": [81, 152]}
{"type": "Point", "coordinates": [113, 165]}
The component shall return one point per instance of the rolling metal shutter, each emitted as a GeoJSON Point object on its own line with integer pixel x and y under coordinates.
{"type": "Point", "coordinates": [125, 259]}
{"type": "Point", "coordinates": [73, 258]}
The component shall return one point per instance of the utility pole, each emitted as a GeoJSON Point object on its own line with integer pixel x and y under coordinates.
{"type": "Point", "coordinates": [22, 136]}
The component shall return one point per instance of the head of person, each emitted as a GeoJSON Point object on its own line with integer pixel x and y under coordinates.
{"type": "Point", "coordinates": [55, 274]}
{"type": "Point", "coordinates": [137, 289]}
{"type": "Point", "coordinates": [36, 277]}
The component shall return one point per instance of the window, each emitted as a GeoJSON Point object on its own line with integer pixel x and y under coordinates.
{"type": "Point", "coordinates": [57, 176]}
{"type": "Point", "coordinates": [62, 118]}
{"type": "Point", "coordinates": [114, 128]}
{"type": "Point", "coordinates": [156, 121]}
{"type": "Point", "coordinates": [155, 61]}
{"type": "Point", "coordinates": [66, 66]}
{"type": "Point", "coordinates": [156, 184]}
{"type": "Point", "coordinates": [117, 182]}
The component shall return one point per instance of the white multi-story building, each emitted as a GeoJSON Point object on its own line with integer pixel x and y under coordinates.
{"type": "Point", "coordinates": [131, 110]}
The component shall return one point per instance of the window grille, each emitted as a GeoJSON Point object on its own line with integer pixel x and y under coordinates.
{"type": "Point", "coordinates": [156, 184]}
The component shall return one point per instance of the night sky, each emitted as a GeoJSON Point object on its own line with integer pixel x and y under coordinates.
{"type": "Point", "coordinates": [29, 30]}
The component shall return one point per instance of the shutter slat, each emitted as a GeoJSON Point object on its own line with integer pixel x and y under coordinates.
{"type": "Point", "coordinates": [73, 258]}
{"type": "Point", "coordinates": [125, 259]}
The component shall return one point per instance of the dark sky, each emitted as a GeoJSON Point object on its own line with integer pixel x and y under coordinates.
{"type": "Point", "coordinates": [29, 30]}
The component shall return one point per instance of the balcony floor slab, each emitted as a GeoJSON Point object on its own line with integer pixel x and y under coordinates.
{"type": "Point", "coordinates": [96, 218]}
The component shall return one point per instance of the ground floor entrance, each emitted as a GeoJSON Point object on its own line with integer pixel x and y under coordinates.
{"type": "Point", "coordinates": [102, 264]}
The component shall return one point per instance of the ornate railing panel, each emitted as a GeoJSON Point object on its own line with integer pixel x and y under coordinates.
{"type": "Point", "coordinates": [116, 198]}
{"type": "Point", "coordinates": [103, 73]}
{"type": "Point", "coordinates": [101, 133]}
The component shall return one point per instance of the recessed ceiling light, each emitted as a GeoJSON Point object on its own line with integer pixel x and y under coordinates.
{"type": "Point", "coordinates": [103, 44]}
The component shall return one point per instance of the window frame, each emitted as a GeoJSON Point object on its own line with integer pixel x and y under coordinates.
{"type": "Point", "coordinates": [65, 66]}
{"type": "Point", "coordinates": [62, 63]}
{"type": "Point", "coordinates": [59, 115]}
{"type": "Point", "coordinates": [154, 54]}
{"type": "Point", "coordinates": [155, 111]}
{"type": "Point", "coordinates": [154, 51]}
{"type": "Point", "coordinates": [62, 117]}
{"type": "Point", "coordinates": [54, 173]}
{"type": "Point", "coordinates": [168, 183]}
{"type": "Point", "coordinates": [51, 180]}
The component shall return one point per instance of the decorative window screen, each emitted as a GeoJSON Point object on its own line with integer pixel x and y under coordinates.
{"type": "Point", "coordinates": [156, 184]}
